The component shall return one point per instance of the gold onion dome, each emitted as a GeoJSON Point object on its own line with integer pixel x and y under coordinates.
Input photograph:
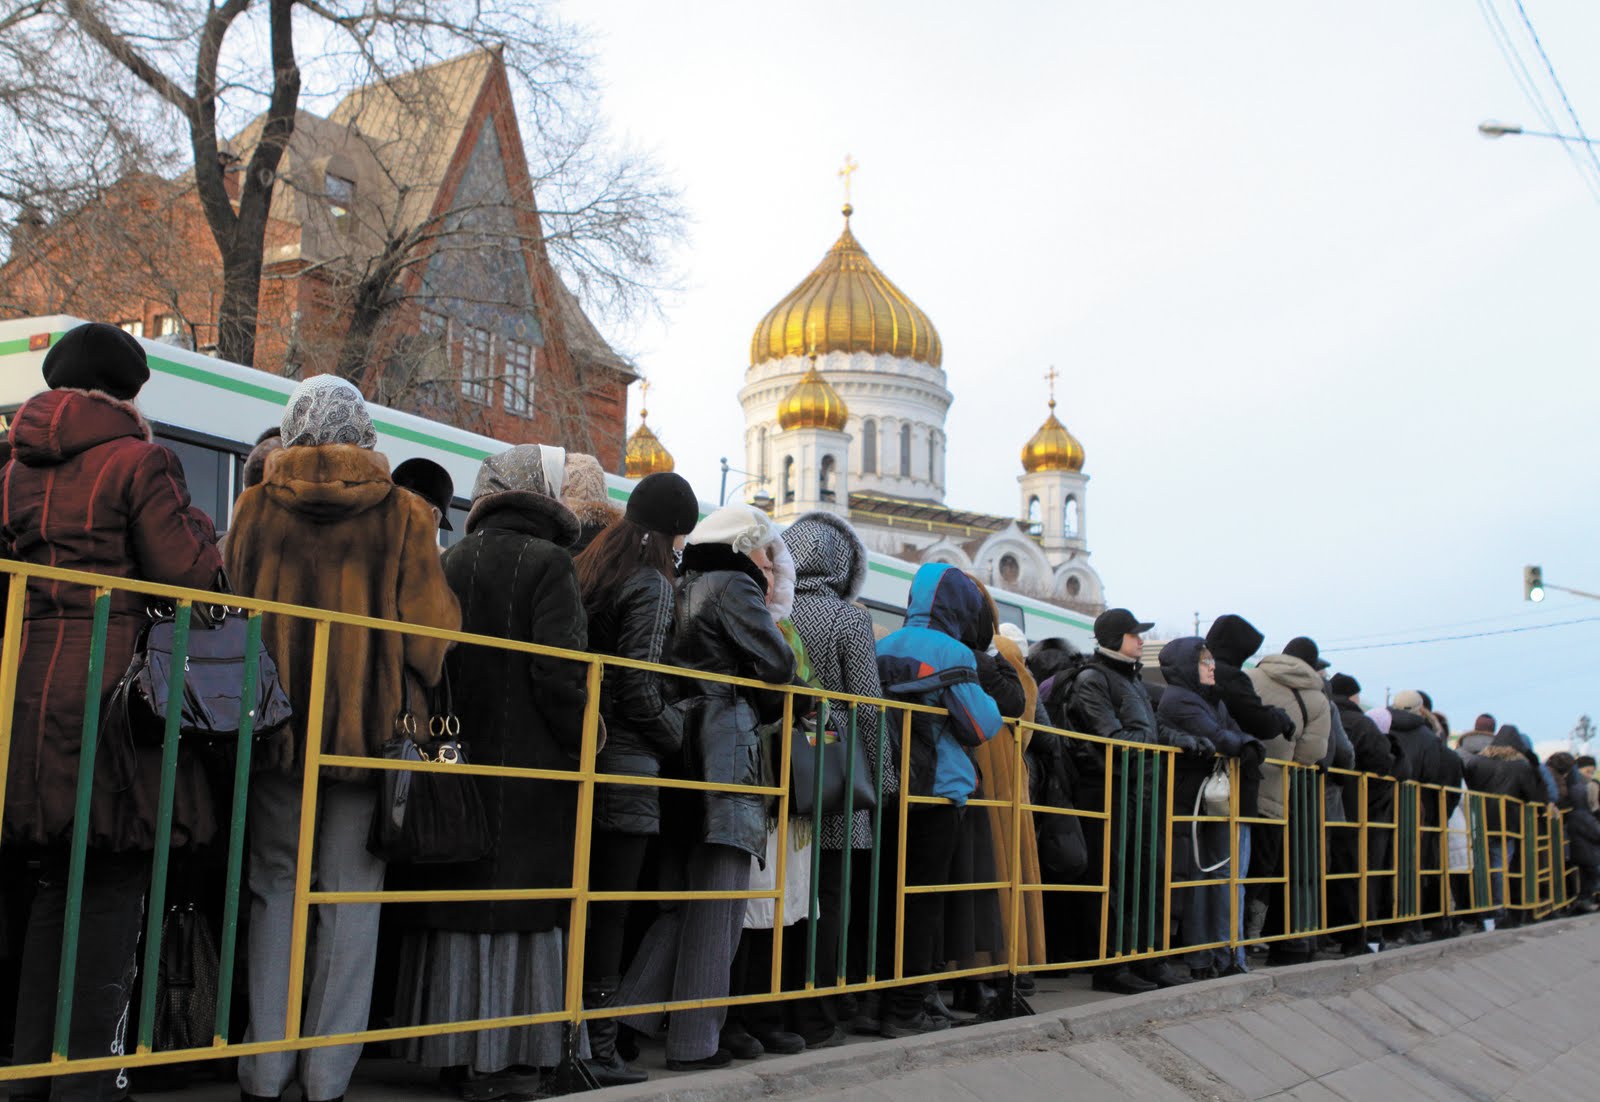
{"type": "Point", "coordinates": [644, 454]}
{"type": "Point", "coordinates": [1052, 448]}
{"type": "Point", "coordinates": [846, 305]}
{"type": "Point", "coordinates": [812, 404]}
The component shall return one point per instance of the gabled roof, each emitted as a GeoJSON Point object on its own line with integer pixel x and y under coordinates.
{"type": "Point", "coordinates": [414, 123]}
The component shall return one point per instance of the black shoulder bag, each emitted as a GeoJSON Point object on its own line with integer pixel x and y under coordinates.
{"type": "Point", "coordinates": [433, 816]}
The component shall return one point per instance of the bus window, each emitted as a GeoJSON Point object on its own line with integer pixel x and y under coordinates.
{"type": "Point", "coordinates": [207, 471]}
{"type": "Point", "coordinates": [1010, 614]}
{"type": "Point", "coordinates": [885, 618]}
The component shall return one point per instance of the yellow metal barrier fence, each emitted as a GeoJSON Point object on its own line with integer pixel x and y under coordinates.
{"type": "Point", "coordinates": [1131, 898]}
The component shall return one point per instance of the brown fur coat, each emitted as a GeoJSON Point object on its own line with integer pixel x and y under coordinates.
{"type": "Point", "coordinates": [327, 529]}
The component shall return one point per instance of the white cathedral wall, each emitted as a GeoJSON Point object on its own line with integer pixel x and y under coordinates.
{"type": "Point", "coordinates": [889, 390]}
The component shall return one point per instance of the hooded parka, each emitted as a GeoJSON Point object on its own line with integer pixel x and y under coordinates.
{"type": "Point", "coordinates": [1288, 684]}
{"type": "Point", "coordinates": [1197, 710]}
{"type": "Point", "coordinates": [1232, 640]}
{"type": "Point", "coordinates": [88, 490]}
{"type": "Point", "coordinates": [830, 565]}
{"type": "Point", "coordinates": [1503, 769]}
{"type": "Point", "coordinates": [723, 626]}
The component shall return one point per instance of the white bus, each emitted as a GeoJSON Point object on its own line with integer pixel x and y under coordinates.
{"type": "Point", "coordinates": [211, 411]}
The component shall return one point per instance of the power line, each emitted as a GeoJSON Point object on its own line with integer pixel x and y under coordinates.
{"type": "Point", "coordinates": [1529, 87]}
{"type": "Point", "coordinates": [1468, 635]}
{"type": "Point", "coordinates": [1370, 635]}
{"type": "Point", "coordinates": [1549, 67]}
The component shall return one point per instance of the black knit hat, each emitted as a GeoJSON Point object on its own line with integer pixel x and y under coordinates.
{"type": "Point", "coordinates": [664, 502]}
{"type": "Point", "coordinates": [1342, 684]}
{"type": "Point", "coordinates": [97, 356]}
{"type": "Point", "coordinates": [1305, 649]}
{"type": "Point", "coordinates": [431, 482]}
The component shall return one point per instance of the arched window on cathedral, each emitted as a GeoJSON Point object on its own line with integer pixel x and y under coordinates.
{"type": "Point", "coordinates": [1035, 520]}
{"type": "Point", "coordinates": [933, 457]}
{"type": "Point", "coordinates": [825, 480]}
{"type": "Point", "coordinates": [1074, 587]}
{"type": "Point", "coordinates": [1010, 569]}
{"type": "Point", "coordinates": [761, 453]}
{"type": "Point", "coordinates": [869, 447]}
{"type": "Point", "coordinates": [788, 478]}
{"type": "Point", "coordinates": [905, 451]}
{"type": "Point", "coordinates": [1069, 522]}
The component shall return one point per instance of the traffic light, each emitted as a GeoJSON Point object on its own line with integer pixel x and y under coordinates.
{"type": "Point", "coordinates": [1532, 583]}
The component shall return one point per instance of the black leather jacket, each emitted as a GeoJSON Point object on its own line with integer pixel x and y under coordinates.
{"type": "Point", "coordinates": [642, 726]}
{"type": "Point", "coordinates": [723, 626]}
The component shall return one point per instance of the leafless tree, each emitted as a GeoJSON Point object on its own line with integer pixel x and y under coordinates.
{"type": "Point", "coordinates": [91, 90]}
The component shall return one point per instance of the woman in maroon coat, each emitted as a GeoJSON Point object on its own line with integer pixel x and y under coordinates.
{"type": "Point", "coordinates": [86, 489]}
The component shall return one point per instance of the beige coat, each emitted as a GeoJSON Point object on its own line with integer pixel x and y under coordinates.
{"type": "Point", "coordinates": [1295, 687]}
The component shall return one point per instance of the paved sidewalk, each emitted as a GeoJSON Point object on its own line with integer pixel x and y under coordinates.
{"type": "Point", "coordinates": [1509, 1015]}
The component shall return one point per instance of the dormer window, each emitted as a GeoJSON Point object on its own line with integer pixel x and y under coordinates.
{"type": "Point", "coordinates": [341, 196]}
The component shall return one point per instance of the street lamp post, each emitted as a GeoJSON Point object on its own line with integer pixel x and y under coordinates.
{"type": "Point", "coordinates": [762, 499]}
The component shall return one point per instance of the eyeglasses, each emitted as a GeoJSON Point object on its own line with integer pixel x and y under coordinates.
{"type": "Point", "coordinates": [1208, 663]}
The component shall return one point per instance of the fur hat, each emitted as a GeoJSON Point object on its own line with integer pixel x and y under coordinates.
{"type": "Point", "coordinates": [99, 357]}
{"type": "Point", "coordinates": [741, 527]}
{"type": "Point", "coordinates": [326, 409]}
{"type": "Point", "coordinates": [664, 502]}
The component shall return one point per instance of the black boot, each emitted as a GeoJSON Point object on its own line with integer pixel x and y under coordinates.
{"type": "Point", "coordinates": [608, 1068]}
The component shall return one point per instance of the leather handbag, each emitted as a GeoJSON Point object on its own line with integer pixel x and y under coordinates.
{"type": "Point", "coordinates": [434, 816]}
{"type": "Point", "coordinates": [863, 792]}
{"type": "Point", "coordinates": [213, 682]}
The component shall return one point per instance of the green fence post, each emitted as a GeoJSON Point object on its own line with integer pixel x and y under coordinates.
{"type": "Point", "coordinates": [844, 871]}
{"type": "Point", "coordinates": [1119, 817]}
{"type": "Point", "coordinates": [816, 847]}
{"type": "Point", "coordinates": [72, 920]}
{"type": "Point", "coordinates": [1138, 852]}
{"type": "Point", "coordinates": [877, 849]}
{"type": "Point", "coordinates": [1157, 836]}
{"type": "Point", "coordinates": [163, 840]}
{"type": "Point", "coordinates": [248, 694]}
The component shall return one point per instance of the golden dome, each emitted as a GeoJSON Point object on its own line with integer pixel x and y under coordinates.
{"type": "Point", "coordinates": [1052, 448]}
{"type": "Point", "coordinates": [846, 305]}
{"type": "Point", "coordinates": [812, 404]}
{"type": "Point", "coordinates": [644, 454]}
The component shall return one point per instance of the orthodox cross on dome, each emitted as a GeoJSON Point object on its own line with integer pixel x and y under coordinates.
{"type": "Point", "coordinates": [845, 173]}
{"type": "Point", "coordinates": [644, 398]}
{"type": "Point", "coordinates": [1050, 377]}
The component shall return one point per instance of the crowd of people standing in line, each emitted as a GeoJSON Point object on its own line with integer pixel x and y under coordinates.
{"type": "Point", "coordinates": [548, 559]}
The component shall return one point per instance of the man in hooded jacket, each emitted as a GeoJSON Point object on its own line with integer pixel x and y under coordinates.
{"type": "Point", "coordinates": [1502, 769]}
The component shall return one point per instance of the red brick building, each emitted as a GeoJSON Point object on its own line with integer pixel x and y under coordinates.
{"type": "Point", "coordinates": [412, 196]}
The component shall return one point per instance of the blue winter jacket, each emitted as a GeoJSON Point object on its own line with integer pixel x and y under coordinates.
{"type": "Point", "coordinates": [932, 659]}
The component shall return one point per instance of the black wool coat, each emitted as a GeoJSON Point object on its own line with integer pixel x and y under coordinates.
{"type": "Point", "coordinates": [515, 581]}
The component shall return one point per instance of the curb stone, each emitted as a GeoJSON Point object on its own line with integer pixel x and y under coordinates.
{"type": "Point", "coordinates": [863, 1065]}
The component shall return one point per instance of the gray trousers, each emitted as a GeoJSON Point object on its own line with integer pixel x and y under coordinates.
{"type": "Point", "coordinates": [688, 951]}
{"type": "Point", "coordinates": [343, 938]}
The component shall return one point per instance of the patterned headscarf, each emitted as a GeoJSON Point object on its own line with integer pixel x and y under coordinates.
{"type": "Point", "coordinates": [326, 409]}
{"type": "Point", "coordinates": [526, 468]}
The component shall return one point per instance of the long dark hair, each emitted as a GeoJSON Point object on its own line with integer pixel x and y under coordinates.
{"type": "Point", "coordinates": [613, 557]}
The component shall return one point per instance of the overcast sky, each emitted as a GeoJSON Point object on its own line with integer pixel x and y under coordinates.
{"type": "Point", "coordinates": [1331, 354]}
